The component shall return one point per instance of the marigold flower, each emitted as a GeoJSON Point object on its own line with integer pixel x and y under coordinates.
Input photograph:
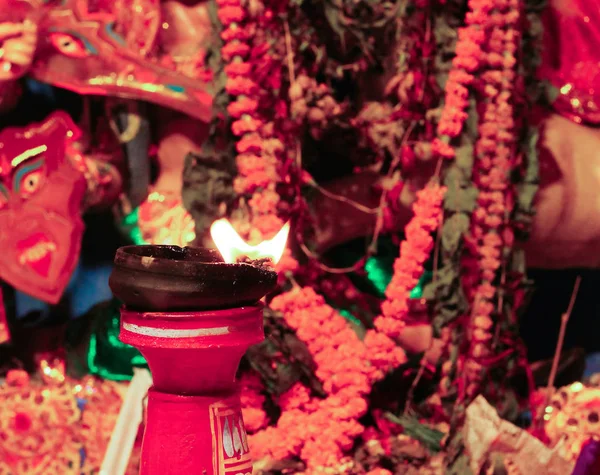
{"type": "Point", "coordinates": [264, 202]}
{"type": "Point", "coordinates": [295, 398]}
{"type": "Point", "coordinates": [268, 225]}
{"type": "Point", "coordinates": [231, 14]}
{"type": "Point", "coordinates": [233, 49]}
{"type": "Point", "coordinates": [242, 106]}
{"type": "Point", "coordinates": [257, 180]}
{"type": "Point", "coordinates": [236, 69]}
{"type": "Point", "coordinates": [248, 164]}
{"type": "Point", "coordinates": [235, 32]}
{"type": "Point", "coordinates": [442, 148]}
{"type": "Point", "coordinates": [240, 86]}
{"type": "Point", "coordinates": [245, 125]}
{"type": "Point", "coordinates": [250, 143]}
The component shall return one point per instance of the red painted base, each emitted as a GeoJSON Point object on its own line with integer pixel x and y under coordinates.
{"type": "Point", "coordinates": [194, 423]}
{"type": "Point", "coordinates": [194, 434]}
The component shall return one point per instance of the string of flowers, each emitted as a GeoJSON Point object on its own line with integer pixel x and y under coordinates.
{"type": "Point", "coordinates": [494, 151]}
{"type": "Point", "coordinates": [466, 62]}
{"type": "Point", "coordinates": [321, 431]}
{"type": "Point", "coordinates": [414, 251]}
{"type": "Point", "coordinates": [259, 149]}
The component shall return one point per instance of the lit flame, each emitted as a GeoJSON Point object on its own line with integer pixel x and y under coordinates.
{"type": "Point", "coordinates": [232, 246]}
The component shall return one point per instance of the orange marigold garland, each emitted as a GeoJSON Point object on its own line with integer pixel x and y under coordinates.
{"type": "Point", "coordinates": [494, 151]}
{"type": "Point", "coordinates": [321, 431]}
{"type": "Point", "coordinates": [466, 62]}
{"type": "Point", "coordinates": [414, 251]}
{"type": "Point", "coordinates": [259, 149]}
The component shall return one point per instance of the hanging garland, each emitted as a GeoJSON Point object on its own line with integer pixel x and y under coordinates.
{"type": "Point", "coordinates": [321, 431]}
{"type": "Point", "coordinates": [495, 161]}
{"type": "Point", "coordinates": [247, 58]}
{"type": "Point", "coordinates": [414, 251]}
{"type": "Point", "coordinates": [471, 210]}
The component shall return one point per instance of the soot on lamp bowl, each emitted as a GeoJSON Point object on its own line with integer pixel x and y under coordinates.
{"type": "Point", "coordinates": [159, 278]}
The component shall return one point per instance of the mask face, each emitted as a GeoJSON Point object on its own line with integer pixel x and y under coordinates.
{"type": "Point", "coordinates": [110, 48]}
{"type": "Point", "coordinates": [41, 195]}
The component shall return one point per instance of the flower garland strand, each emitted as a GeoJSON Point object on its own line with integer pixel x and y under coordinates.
{"type": "Point", "coordinates": [259, 150]}
{"type": "Point", "coordinates": [321, 431]}
{"type": "Point", "coordinates": [466, 62]}
{"type": "Point", "coordinates": [414, 251]}
{"type": "Point", "coordinates": [494, 151]}
{"type": "Point", "coordinates": [427, 209]}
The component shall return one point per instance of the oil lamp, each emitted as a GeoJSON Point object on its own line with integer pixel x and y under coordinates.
{"type": "Point", "coordinates": [193, 314]}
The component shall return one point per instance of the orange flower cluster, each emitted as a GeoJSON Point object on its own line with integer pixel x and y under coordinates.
{"type": "Point", "coordinates": [467, 61]}
{"type": "Point", "coordinates": [258, 148]}
{"type": "Point", "coordinates": [492, 176]}
{"type": "Point", "coordinates": [252, 399]}
{"type": "Point", "coordinates": [321, 430]}
{"type": "Point", "coordinates": [414, 251]}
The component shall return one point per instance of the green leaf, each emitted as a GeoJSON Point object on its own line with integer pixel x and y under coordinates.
{"type": "Point", "coordinates": [430, 438]}
{"type": "Point", "coordinates": [531, 150]}
{"type": "Point", "coordinates": [472, 122]}
{"type": "Point", "coordinates": [464, 158]}
{"type": "Point", "coordinates": [526, 195]}
{"type": "Point", "coordinates": [445, 277]}
{"type": "Point", "coordinates": [332, 14]}
{"type": "Point", "coordinates": [461, 199]}
{"type": "Point", "coordinates": [453, 230]}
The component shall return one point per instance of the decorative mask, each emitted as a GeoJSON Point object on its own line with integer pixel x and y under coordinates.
{"type": "Point", "coordinates": [112, 48]}
{"type": "Point", "coordinates": [41, 193]}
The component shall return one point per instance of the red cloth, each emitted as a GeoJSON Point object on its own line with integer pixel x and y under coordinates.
{"type": "Point", "coordinates": [571, 58]}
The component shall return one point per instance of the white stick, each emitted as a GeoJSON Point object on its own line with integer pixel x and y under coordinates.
{"type": "Point", "coordinates": [126, 428]}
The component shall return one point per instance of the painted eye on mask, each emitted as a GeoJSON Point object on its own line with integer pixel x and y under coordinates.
{"type": "Point", "coordinates": [29, 179]}
{"type": "Point", "coordinates": [71, 45]}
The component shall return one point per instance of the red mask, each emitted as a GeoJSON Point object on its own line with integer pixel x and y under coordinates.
{"type": "Point", "coordinates": [109, 48]}
{"type": "Point", "coordinates": [41, 193]}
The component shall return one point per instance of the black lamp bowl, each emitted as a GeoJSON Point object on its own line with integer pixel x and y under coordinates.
{"type": "Point", "coordinates": [160, 278]}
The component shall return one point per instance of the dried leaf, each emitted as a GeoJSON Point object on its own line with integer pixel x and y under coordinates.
{"type": "Point", "coordinates": [453, 230]}
{"type": "Point", "coordinates": [282, 359]}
